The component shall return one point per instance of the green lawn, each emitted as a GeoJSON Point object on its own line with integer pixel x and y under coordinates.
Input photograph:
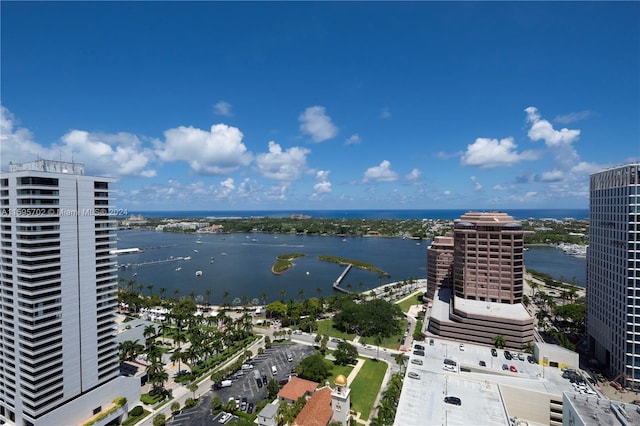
{"type": "Point", "coordinates": [391, 342]}
{"type": "Point", "coordinates": [337, 370]}
{"type": "Point", "coordinates": [366, 386]}
{"type": "Point", "coordinates": [411, 300]}
{"type": "Point", "coordinates": [326, 327]}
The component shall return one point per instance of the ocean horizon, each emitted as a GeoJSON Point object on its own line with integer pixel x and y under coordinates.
{"type": "Point", "coordinates": [519, 214]}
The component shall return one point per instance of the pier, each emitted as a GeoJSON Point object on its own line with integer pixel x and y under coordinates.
{"type": "Point", "coordinates": [153, 262]}
{"type": "Point", "coordinates": [336, 283]}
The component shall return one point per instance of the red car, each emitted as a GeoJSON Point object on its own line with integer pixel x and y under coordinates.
{"type": "Point", "coordinates": [513, 369]}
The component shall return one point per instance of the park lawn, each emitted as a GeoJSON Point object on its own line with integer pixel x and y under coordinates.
{"type": "Point", "coordinates": [391, 342]}
{"type": "Point", "coordinates": [325, 326]}
{"type": "Point", "coordinates": [405, 304]}
{"type": "Point", "coordinates": [336, 370]}
{"type": "Point", "coordinates": [366, 386]}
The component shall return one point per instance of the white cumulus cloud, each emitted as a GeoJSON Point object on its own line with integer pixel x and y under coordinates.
{"type": "Point", "coordinates": [353, 139]}
{"type": "Point", "coordinates": [477, 185]}
{"type": "Point", "coordinates": [543, 130]}
{"type": "Point", "coordinates": [381, 173]}
{"type": "Point", "coordinates": [490, 153]}
{"type": "Point", "coordinates": [216, 152]}
{"type": "Point", "coordinates": [119, 154]}
{"type": "Point", "coordinates": [414, 175]}
{"type": "Point", "coordinates": [573, 116]}
{"type": "Point", "coordinates": [322, 186]}
{"type": "Point", "coordinates": [223, 108]}
{"type": "Point", "coordinates": [282, 165]}
{"type": "Point", "coordinates": [315, 122]}
{"type": "Point", "coordinates": [16, 143]}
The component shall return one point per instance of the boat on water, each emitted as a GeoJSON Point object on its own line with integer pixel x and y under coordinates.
{"type": "Point", "coordinates": [198, 273]}
{"type": "Point", "coordinates": [178, 269]}
{"type": "Point", "coordinates": [195, 251]}
{"type": "Point", "coordinates": [187, 258]}
{"type": "Point", "coordinates": [224, 254]}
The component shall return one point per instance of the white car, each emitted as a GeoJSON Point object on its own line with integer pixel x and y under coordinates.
{"type": "Point", "coordinates": [416, 361]}
{"type": "Point", "coordinates": [449, 367]}
{"type": "Point", "coordinates": [413, 375]}
{"type": "Point", "coordinates": [461, 347]}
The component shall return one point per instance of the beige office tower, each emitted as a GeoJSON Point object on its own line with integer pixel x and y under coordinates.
{"type": "Point", "coordinates": [488, 277]}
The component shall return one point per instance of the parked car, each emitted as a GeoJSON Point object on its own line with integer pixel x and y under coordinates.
{"type": "Point", "coordinates": [450, 362]}
{"type": "Point", "coordinates": [513, 369]}
{"type": "Point", "coordinates": [461, 347]}
{"type": "Point", "coordinates": [494, 352]}
{"type": "Point", "coordinates": [416, 361]}
{"type": "Point", "coordinates": [505, 367]}
{"type": "Point", "coordinates": [521, 356]}
{"type": "Point", "coordinates": [250, 408]}
{"type": "Point", "coordinates": [453, 400]}
{"type": "Point", "coordinates": [449, 368]}
{"type": "Point", "coordinates": [418, 352]}
{"type": "Point", "coordinates": [419, 347]}
{"type": "Point", "coordinates": [431, 342]}
{"type": "Point", "coordinates": [531, 359]}
{"type": "Point", "coordinates": [413, 375]}
{"type": "Point", "coordinates": [482, 364]}
{"type": "Point", "coordinates": [507, 355]}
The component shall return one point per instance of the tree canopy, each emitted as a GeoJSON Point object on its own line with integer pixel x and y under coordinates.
{"type": "Point", "coordinates": [313, 368]}
{"type": "Point", "coordinates": [345, 353]}
{"type": "Point", "coordinates": [369, 318]}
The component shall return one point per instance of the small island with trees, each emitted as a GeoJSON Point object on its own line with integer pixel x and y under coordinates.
{"type": "Point", "coordinates": [284, 262]}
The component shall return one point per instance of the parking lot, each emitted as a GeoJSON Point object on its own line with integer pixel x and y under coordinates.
{"type": "Point", "coordinates": [245, 385]}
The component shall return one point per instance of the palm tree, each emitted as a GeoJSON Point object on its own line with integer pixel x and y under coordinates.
{"type": "Point", "coordinates": [163, 290]}
{"type": "Point", "coordinates": [150, 288]}
{"type": "Point", "coordinates": [208, 293]}
{"type": "Point", "coordinates": [399, 360]}
{"type": "Point", "coordinates": [193, 387]}
{"type": "Point", "coordinates": [282, 294]}
{"type": "Point", "coordinates": [263, 296]}
{"type": "Point", "coordinates": [225, 296]}
{"type": "Point", "coordinates": [177, 356]}
{"type": "Point", "coordinates": [378, 341]}
{"type": "Point", "coordinates": [499, 341]}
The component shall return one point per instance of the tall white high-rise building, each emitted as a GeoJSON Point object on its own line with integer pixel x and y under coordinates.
{"type": "Point", "coordinates": [58, 355]}
{"type": "Point", "coordinates": [613, 271]}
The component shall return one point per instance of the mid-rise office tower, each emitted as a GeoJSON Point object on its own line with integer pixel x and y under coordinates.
{"type": "Point", "coordinates": [486, 257]}
{"type": "Point", "coordinates": [613, 271]}
{"type": "Point", "coordinates": [58, 354]}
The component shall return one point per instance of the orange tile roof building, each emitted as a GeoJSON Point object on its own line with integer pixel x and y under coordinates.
{"type": "Point", "coordinates": [317, 411]}
{"type": "Point", "coordinates": [296, 388]}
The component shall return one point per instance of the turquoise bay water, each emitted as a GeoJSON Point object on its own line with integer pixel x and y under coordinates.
{"type": "Point", "coordinates": [240, 264]}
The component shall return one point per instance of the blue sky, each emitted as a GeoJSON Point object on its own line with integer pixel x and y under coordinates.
{"type": "Point", "coordinates": [325, 105]}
